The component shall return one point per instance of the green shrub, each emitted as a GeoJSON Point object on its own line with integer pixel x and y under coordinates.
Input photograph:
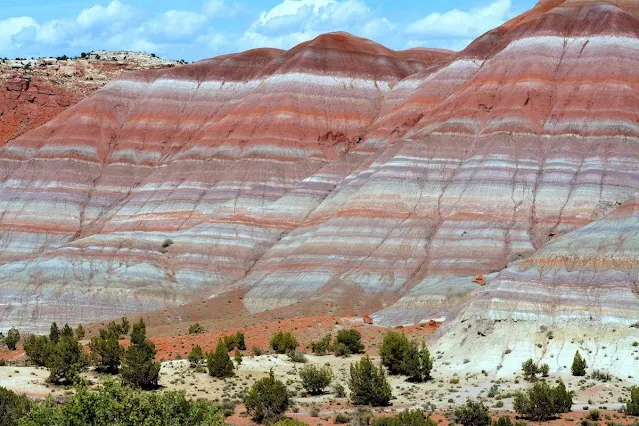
{"type": "Point", "coordinates": [237, 356]}
{"type": "Point", "coordinates": [12, 407]}
{"type": "Point", "coordinates": [138, 367]}
{"type": "Point", "coordinates": [322, 346]}
{"type": "Point", "coordinates": [368, 384]}
{"type": "Point", "coordinates": [350, 338]}
{"type": "Point", "coordinates": [417, 363]}
{"type": "Point", "coordinates": [541, 402]}
{"type": "Point", "coordinates": [472, 414]}
{"type": "Point", "coordinates": [219, 363]}
{"type": "Point", "coordinates": [578, 365]}
{"type": "Point", "coordinates": [196, 328]}
{"type": "Point", "coordinates": [342, 418]}
{"type": "Point", "coordinates": [503, 421]}
{"type": "Point", "coordinates": [530, 370]}
{"type": "Point", "coordinates": [406, 418]}
{"type": "Point", "coordinates": [290, 422]}
{"type": "Point", "coordinates": [593, 415]}
{"type": "Point", "coordinates": [12, 339]}
{"type": "Point", "coordinates": [79, 332]}
{"type": "Point", "coordinates": [316, 379]}
{"type": "Point", "coordinates": [283, 342]}
{"type": "Point", "coordinates": [632, 406]}
{"type": "Point", "coordinates": [38, 349]}
{"type": "Point", "coordinates": [341, 350]}
{"type": "Point", "coordinates": [66, 360]}
{"type": "Point", "coordinates": [392, 351]}
{"type": "Point", "coordinates": [106, 349]}
{"type": "Point", "coordinates": [114, 404]}
{"type": "Point", "coordinates": [297, 356]}
{"type": "Point", "coordinates": [338, 390]}
{"type": "Point", "coordinates": [267, 399]}
{"type": "Point", "coordinates": [196, 356]}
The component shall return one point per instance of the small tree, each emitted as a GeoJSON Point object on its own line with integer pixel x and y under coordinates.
{"type": "Point", "coordinates": [322, 346]}
{"type": "Point", "coordinates": [632, 406]}
{"type": "Point", "coordinates": [541, 402]}
{"type": "Point", "coordinates": [394, 346]}
{"type": "Point", "coordinates": [106, 349]}
{"type": "Point", "coordinates": [237, 356]}
{"type": "Point", "coordinates": [79, 332]}
{"type": "Point", "coordinates": [54, 333]}
{"type": "Point", "coordinates": [12, 339]}
{"type": "Point", "coordinates": [66, 360]}
{"type": "Point", "coordinates": [473, 414]}
{"type": "Point", "coordinates": [316, 379]}
{"type": "Point", "coordinates": [67, 331]}
{"type": "Point", "coordinates": [219, 363]}
{"type": "Point", "coordinates": [267, 399]}
{"type": "Point", "coordinates": [578, 365]}
{"type": "Point", "coordinates": [368, 384]}
{"type": "Point", "coordinates": [282, 342]}
{"type": "Point", "coordinates": [196, 356]}
{"type": "Point", "coordinates": [138, 367]}
{"type": "Point", "coordinates": [240, 340]}
{"type": "Point", "coordinates": [352, 339]}
{"type": "Point", "coordinates": [38, 349]}
{"type": "Point", "coordinates": [417, 363]}
{"type": "Point", "coordinates": [530, 370]}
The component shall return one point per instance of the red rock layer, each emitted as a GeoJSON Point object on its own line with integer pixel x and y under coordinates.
{"type": "Point", "coordinates": [198, 156]}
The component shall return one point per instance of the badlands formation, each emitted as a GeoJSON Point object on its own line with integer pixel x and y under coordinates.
{"type": "Point", "coordinates": [492, 189]}
{"type": "Point", "coordinates": [33, 91]}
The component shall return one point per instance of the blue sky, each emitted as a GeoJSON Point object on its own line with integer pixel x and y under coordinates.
{"type": "Point", "coordinates": [196, 29]}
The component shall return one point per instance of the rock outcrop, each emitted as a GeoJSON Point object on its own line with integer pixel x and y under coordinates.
{"type": "Point", "coordinates": [341, 167]}
{"type": "Point", "coordinates": [34, 91]}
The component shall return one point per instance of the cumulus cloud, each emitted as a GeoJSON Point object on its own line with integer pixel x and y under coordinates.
{"type": "Point", "coordinates": [294, 21]}
{"type": "Point", "coordinates": [99, 15]}
{"type": "Point", "coordinates": [209, 27]}
{"type": "Point", "coordinates": [175, 25]}
{"type": "Point", "coordinates": [456, 23]}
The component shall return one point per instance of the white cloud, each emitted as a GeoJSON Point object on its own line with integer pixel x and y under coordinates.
{"type": "Point", "coordinates": [221, 8]}
{"type": "Point", "coordinates": [11, 27]}
{"type": "Point", "coordinates": [175, 25]}
{"type": "Point", "coordinates": [377, 28]}
{"type": "Point", "coordinates": [99, 15]}
{"type": "Point", "coordinates": [293, 21]}
{"type": "Point", "coordinates": [462, 24]}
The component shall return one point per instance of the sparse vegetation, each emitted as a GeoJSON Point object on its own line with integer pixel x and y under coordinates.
{"type": "Point", "coordinates": [406, 418]}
